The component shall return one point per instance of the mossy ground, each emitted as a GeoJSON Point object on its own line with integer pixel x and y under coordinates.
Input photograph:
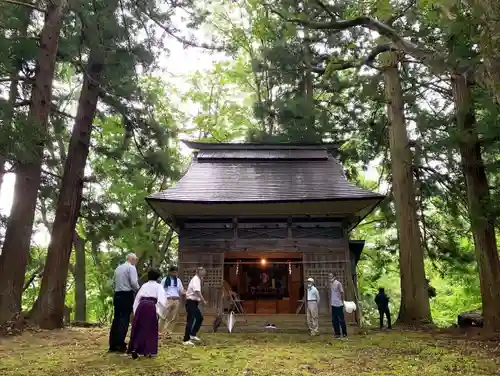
{"type": "Point", "coordinates": [83, 352]}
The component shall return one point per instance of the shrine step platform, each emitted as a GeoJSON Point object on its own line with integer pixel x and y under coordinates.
{"type": "Point", "coordinates": [255, 323]}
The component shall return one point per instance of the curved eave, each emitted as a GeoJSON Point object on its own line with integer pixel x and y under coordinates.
{"type": "Point", "coordinates": [354, 209]}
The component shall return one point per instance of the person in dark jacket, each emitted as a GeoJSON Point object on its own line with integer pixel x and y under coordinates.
{"type": "Point", "coordinates": [382, 302]}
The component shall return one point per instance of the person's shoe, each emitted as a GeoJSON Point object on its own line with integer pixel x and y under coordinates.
{"type": "Point", "coordinates": [135, 355]}
{"type": "Point", "coordinates": [188, 343]}
{"type": "Point", "coordinates": [194, 338]}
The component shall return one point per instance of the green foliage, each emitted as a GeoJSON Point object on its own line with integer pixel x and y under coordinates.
{"type": "Point", "coordinates": [261, 93]}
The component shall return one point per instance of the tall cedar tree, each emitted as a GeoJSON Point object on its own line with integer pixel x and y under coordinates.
{"type": "Point", "coordinates": [479, 201]}
{"type": "Point", "coordinates": [16, 247]}
{"type": "Point", "coordinates": [48, 311]}
{"type": "Point", "coordinates": [414, 307]}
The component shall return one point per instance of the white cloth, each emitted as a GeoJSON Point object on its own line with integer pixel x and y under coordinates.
{"type": "Point", "coordinates": [336, 291]}
{"type": "Point", "coordinates": [152, 289]}
{"type": "Point", "coordinates": [312, 294]}
{"type": "Point", "coordinates": [231, 321]}
{"type": "Point", "coordinates": [194, 286]}
{"type": "Point", "coordinates": [172, 291]}
{"type": "Point", "coordinates": [349, 307]}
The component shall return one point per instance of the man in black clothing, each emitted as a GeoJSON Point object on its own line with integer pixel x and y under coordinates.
{"type": "Point", "coordinates": [382, 302]}
{"type": "Point", "coordinates": [194, 316]}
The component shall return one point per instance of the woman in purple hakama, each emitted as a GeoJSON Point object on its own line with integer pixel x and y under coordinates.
{"type": "Point", "coordinates": [144, 334]}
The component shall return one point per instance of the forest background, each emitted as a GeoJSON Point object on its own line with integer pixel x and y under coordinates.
{"type": "Point", "coordinates": [95, 97]}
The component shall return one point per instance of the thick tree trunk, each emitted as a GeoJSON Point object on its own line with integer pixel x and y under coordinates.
{"type": "Point", "coordinates": [16, 246]}
{"type": "Point", "coordinates": [48, 311]}
{"type": "Point", "coordinates": [415, 307]}
{"type": "Point", "coordinates": [80, 286]}
{"type": "Point", "coordinates": [479, 202]}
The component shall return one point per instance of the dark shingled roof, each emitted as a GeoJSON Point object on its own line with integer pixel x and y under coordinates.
{"type": "Point", "coordinates": [263, 154]}
{"type": "Point", "coordinates": [245, 173]}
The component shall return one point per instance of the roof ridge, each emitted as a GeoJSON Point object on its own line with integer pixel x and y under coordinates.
{"type": "Point", "coordinates": [199, 145]}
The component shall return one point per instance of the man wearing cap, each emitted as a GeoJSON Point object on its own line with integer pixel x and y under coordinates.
{"type": "Point", "coordinates": [125, 284]}
{"type": "Point", "coordinates": [312, 307]}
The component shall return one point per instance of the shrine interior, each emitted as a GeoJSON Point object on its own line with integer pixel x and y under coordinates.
{"type": "Point", "coordinates": [266, 285]}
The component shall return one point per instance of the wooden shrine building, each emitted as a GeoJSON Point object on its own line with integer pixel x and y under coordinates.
{"type": "Point", "coordinates": [262, 218]}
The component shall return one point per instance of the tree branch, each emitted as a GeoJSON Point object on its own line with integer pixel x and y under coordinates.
{"type": "Point", "coordinates": [24, 4]}
{"type": "Point", "coordinates": [170, 32]}
{"type": "Point", "coordinates": [367, 60]}
{"type": "Point", "coordinates": [431, 58]}
{"type": "Point", "coordinates": [403, 11]}
{"type": "Point", "coordinates": [15, 78]}
{"type": "Point", "coordinates": [36, 274]}
{"type": "Point", "coordinates": [326, 8]}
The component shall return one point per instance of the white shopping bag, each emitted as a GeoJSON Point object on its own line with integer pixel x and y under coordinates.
{"type": "Point", "coordinates": [349, 307]}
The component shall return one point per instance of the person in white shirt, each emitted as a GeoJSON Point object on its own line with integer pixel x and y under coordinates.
{"type": "Point", "coordinates": [144, 334]}
{"type": "Point", "coordinates": [193, 299]}
{"type": "Point", "coordinates": [312, 307]}
{"type": "Point", "coordinates": [337, 304]}
{"type": "Point", "coordinates": [173, 290]}
{"type": "Point", "coordinates": [125, 284]}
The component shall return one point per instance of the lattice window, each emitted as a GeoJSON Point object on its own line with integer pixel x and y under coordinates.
{"type": "Point", "coordinates": [212, 279]}
{"type": "Point", "coordinates": [318, 231]}
{"type": "Point", "coordinates": [207, 231]}
{"type": "Point", "coordinates": [263, 231]}
{"type": "Point", "coordinates": [320, 276]}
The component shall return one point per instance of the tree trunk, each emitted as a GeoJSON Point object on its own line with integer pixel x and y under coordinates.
{"type": "Point", "coordinates": [16, 246]}
{"type": "Point", "coordinates": [48, 311]}
{"type": "Point", "coordinates": [479, 202]}
{"type": "Point", "coordinates": [80, 287]}
{"type": "Point", "coordinates": [415, 307]}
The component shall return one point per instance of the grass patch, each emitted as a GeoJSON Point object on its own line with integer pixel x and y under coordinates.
{"type": "Point", "coordinates": [82, 352]}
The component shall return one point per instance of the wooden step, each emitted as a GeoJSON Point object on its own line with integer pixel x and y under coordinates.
{"type": "Point", "coordinates": [286, 323]}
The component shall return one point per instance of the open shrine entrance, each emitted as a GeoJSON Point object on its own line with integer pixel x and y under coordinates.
{"type": "Point", "coordinates": [265, 282]}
